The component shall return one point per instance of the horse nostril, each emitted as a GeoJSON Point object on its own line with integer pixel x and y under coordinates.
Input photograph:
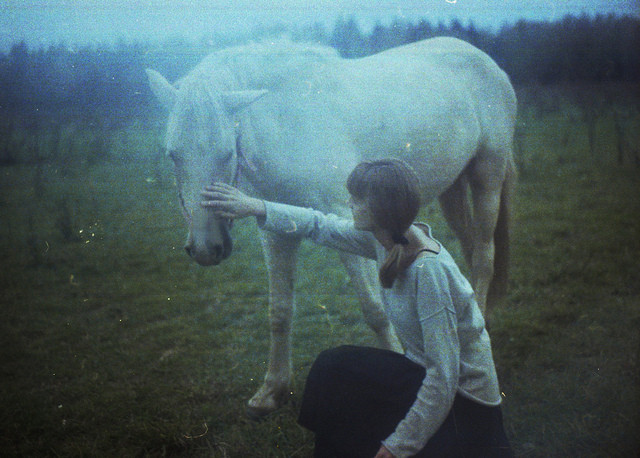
{"type": "Point", "coordinates": [189, 250]}
{"type": "Point", "coordinates": [215, 249]}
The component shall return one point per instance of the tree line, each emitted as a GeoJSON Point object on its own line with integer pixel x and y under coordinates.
{"type": "Point", "coordinates": [108, 82]}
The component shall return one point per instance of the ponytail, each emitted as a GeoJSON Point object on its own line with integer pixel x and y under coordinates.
{"type": "Point", "coordinates": [392, 266]}
{"type": "Point", "coordinates": [397, 261]}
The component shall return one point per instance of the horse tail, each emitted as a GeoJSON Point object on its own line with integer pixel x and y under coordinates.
{"type": "Point", "coordinates": [499, 282]}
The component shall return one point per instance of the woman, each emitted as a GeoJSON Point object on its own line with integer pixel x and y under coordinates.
{"type": "Point", "coordinates": [441, 398]}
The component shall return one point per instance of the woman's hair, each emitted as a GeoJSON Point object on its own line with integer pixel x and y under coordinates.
{"type": "Point", "coordinates": [391, 190]}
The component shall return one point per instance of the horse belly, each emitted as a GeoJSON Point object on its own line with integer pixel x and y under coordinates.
{"type": "Point", "coordinates": [438, 135]}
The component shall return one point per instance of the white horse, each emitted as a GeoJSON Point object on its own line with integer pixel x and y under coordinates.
{"type": "Point", "coordinates": [287, 122]}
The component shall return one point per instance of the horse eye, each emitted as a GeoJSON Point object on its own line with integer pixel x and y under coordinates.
{"type": "Point", "coordinates": [175, 157]}
{"type": "Point", "coordinates": [227, 156]}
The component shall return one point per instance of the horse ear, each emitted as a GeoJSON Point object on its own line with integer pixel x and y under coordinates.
{"type": "Point", "coordinates": [162, 89]}
{"type": "Point", "coordinates": [237, 100]}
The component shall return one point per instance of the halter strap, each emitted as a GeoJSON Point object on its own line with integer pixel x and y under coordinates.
{"type": "Point", "coordinates": [427, 250]}
{"type": "Point", "coordinates": [242, 161]}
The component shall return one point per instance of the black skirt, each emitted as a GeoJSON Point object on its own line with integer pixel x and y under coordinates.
{"type": "Point", "coordinates": [355, 397]}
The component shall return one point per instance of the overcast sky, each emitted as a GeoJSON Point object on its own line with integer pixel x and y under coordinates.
{"type": "Point", "coordinates": [79, 22]}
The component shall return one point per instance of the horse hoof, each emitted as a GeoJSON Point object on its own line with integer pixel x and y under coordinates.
{"type": "Point", "coordinates": [262, 405]}
{"type": "Point", "coordinates": [257, 413]}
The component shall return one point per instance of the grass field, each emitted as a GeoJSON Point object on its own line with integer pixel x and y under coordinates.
{"type": "Point", "coordinates": [114, 344]}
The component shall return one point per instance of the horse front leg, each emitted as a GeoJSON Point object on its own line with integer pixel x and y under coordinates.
{"type": "Point", "coordinates": [365, 278]}
{"type": "Point", "coordinates": [280, 257]}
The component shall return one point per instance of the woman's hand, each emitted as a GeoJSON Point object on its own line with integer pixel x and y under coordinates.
{"type": "Point", "coordinates": [227, 202]}
{"type": "Point", "coordinates": [384, 453]}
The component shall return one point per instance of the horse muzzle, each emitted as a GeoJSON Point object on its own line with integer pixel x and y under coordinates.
{"type": "Point", "coordinates": [209, 249]}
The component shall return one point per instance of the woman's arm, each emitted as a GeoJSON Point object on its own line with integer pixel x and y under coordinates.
{"type": "Point", "coordinates": [441, 355]}
{"type": "Point", "coordinates": [435, 397]}
{"type": "Point", "coordinates": [327, 230]}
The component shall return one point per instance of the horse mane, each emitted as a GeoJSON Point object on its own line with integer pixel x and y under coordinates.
{"type": "Point", "coordinates": [271, 64]}
{"type": "Point", "coordinates": [267, 64]}
{"type": "Point", "coordinates": [195, 117]}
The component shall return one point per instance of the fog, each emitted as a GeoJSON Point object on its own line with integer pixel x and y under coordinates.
{"type": "Point", "coordinates": [82, 22]}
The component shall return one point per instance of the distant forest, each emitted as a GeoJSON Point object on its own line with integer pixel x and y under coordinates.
{"type": "Point", "coordinates": [109, 81]}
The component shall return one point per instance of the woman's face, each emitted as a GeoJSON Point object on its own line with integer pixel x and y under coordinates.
{"type": "Point", "coordinates": [362, 219]}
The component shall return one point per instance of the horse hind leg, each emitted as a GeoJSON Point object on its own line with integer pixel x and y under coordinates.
{"type": "Point", "coordinates": [456, 209]}
{"type": "Point", "coordinates": [487, 179]}
{"type": "Point", "coordinates": [364, 277]}
{"type": "Point", "coordinates": [280, 256]}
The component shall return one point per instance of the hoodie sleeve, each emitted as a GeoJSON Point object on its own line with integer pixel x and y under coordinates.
{"type": "Point", "coordinates": [442, 363]}
{"type": "Point", "coordinates": [326, 230]}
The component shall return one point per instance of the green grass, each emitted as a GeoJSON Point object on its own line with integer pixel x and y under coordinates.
{"type": "Point", "coordinates": [113, 343]}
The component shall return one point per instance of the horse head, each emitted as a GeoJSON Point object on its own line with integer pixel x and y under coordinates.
{"type": "Point", "coordinates": [202, 141]}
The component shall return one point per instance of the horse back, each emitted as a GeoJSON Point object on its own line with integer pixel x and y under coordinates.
{"type": "Point", "coordinates": [433, 103]}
